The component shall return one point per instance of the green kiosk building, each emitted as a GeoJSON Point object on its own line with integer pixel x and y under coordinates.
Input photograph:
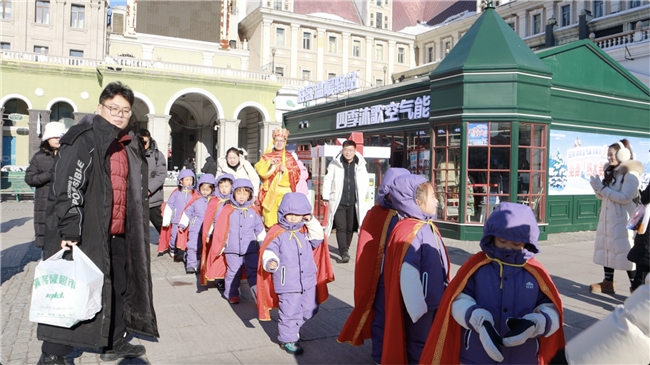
{"type": "Point", "coordinates": [498, 122]}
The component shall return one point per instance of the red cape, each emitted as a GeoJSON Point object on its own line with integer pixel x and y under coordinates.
{"type": "Point", "coordinates": [165, 232]}
{"type": "Point", "coordinates": [215, 266]}
{"type": "Point", "coordinates": [183, 234]}
{"type": "Point", "coordinates": [370, 252]}
{"type": "Point", "coordinates": [266, 297]}
{"type": "Point", "coordinates": [213, 207]}
{"type": "Point", "coordinates": [443, 343]}
{"type": "Point", "coordinates": [394, 350]}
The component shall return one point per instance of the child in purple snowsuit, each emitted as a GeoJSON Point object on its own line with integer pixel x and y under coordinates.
{"type": "Point", "coordinates": [192, 218]}
{"type": "Point", "coordinates": [502, 290]}
{"type": "Point", "coordinates": [425, 266]}
{"type": "Point", "coordinates": [245, 235]}
{"type": "Point", "coordinates": [290, 258]}
{"type": "Point", "coordinates": [223, 191]}
{"type": "Point", "coordinates": [176, 203]}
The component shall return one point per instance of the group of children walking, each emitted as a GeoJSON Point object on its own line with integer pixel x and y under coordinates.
{"type": "Point", "coordinates": [219, 235]}
{"type": "Point", "coordinates": [502, 306]}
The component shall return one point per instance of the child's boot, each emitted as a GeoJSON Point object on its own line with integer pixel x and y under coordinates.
{"type": "Point", "coordinates": [292, 348]}
{"type": "Point", "coordinates": [606, 287]}
{"type": "Point", "coordinates": [234, 300]}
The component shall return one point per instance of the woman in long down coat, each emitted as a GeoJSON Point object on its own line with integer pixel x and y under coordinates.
{"type": "Point", "coordinates": [39, 174]}
{"type": "Point", "coordinates": [616, 191]}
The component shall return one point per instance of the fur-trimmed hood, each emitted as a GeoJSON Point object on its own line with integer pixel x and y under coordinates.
{"type": "Point", "coordinates": [631, 166]}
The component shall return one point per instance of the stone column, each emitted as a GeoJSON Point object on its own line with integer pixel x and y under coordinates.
{"type": "Point", "coordinates": [228, 132]}
{"type": "Point", "coordinates": [266, 44]}
{"type": "Point", "coordinates": [370, 81]}
{"type": "Point", "coordinates": [320, 45]}
{"type": "Point", "coordinates": [78, 116]}
{"type": "Point", "coordinates": [346, 52]}
{"type": "Point", "coordinates": [295, 43]}
{"type": "Point", "coordinates": [266, 133]}
{"type": "Point", "coordinates": [158, 126]}
{"type": "Point", "coordinates": [34, 137]}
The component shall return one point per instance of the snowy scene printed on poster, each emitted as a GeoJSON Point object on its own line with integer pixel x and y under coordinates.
{"type": "Point", "coordinates": [477, 134]}
{"type": "Point", "coordinates": [575, 156]}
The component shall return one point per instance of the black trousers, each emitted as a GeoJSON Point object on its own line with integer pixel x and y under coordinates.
{"type": "Point", "coordinates": [344, 222]}
{"type": "Point", "coordinates": [155, 216]}
{"type": "Point", "coordinates": [118, 277]}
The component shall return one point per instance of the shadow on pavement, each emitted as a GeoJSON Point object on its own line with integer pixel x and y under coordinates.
{"type": "Point", "coordinates": [16, 257]}
{"type": "Point", "coordinates": [13, 223]}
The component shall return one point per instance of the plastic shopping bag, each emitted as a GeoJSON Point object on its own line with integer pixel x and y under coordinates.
{"type": "Point", "coordinates": [639, 219]}
{"type": "Point", "coordinates": [66, 292]}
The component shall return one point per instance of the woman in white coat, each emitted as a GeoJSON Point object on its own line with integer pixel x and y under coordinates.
{"type": "Point", "coordinates": [236, 165]}
{"type": "Point", "coordinates": [617, 191]}
{"type": "Point", "coordinates": [344, 191]}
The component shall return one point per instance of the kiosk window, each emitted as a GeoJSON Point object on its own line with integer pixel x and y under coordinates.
{"type": "Point", "coordinates": [446, 172]}
{"type": "Point", "coordinates": [531, 176]}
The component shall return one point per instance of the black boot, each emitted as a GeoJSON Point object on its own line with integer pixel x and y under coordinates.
{"type": "Point", "coordinates": [123, 349]}
{"type": "Point", "coordinates": [52, 360]}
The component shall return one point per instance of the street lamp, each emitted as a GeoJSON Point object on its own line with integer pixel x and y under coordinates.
{"type": "Point", "coordinates": [385, 69]}
{"type": "Point", "coordinates": [273, 63]}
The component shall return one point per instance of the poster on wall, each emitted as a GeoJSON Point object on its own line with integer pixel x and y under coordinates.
{"type": "Point", "coordinates": [575, 156]}
{"type": "Point", "coordinates": [477, 134]}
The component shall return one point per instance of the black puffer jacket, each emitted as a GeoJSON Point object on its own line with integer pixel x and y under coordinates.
{"type": "Point", "coordinates": [38, 175]}
{"type": "Point", "coordinates": [640, 252]}
{"type": "Point", "coordinates": [79, 208]}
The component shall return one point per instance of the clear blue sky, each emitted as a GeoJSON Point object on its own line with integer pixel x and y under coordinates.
{"type": "Point", "coordinates": [118, 3]}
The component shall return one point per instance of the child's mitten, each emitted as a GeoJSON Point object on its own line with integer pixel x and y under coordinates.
{"type": "Point", "coordinates": [491, 341]}
{"type": "Point", "coordinates": [521, 329]}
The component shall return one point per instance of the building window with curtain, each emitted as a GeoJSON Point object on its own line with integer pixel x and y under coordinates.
{"type": "Point", "coordinates": [332, 44]}
{"type": "Point", "coordinates": [356, 48]}
{"type": "Point", "coordinates": [400, 55]}
{"type": "Point", "coordinates": [379, 52]}
{"type": "Point", "coordinates": [429, 54]}
{"type": "Point", "coordinates": [635, 4]}
{"type": "Point", "coordinates": [42, 12]}
{"type": "Point", "coordinates": [566, 15]}
{"type": "Point", "coordinates": [380, 18]}
{"type": "Point", "coordinates": [537, 24]}
{"type": "Point", "coordinates": [306, 40]}
{"type": "Point", "coordinates": [306, 74]}
{"type": "Point", "coordinates": [77, 16]}
{"type": "Point", "coordinates": [6, 9]}
{"type": "Point", "coordinates": [76, 53]}
{"type": "Point", "coordinates": [598, 8]}
{"type": "Point", "coordinates": [41, 50]}
{"type": "Point", "coordinates": [279, 37]}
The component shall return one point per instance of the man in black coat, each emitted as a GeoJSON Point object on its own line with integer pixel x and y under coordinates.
{"type": "Point", "coordinates": [97, 202]}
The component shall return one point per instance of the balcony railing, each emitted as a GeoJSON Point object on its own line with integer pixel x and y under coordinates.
{"type": "Point", "coordinates": [58, 60]}
{"type": "Point", "coordinates": [621, 39]}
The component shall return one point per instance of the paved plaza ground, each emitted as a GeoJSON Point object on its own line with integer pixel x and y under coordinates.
{"type": "Point", "coordinates": [199, 326]}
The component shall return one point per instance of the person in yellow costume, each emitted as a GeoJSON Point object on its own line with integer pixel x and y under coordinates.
{"type": "Point", "coordinates": [280, 174]}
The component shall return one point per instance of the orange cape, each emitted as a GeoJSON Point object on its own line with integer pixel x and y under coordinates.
{"type": "Point", "coordinates": [443, 343]}
{"type": "Point", "coordinates": [166, 232]}
{"type": "Point", "coordinates": [266, 296]}
{"type": "Point", "coordinates": [394, 350]}
{"type": "Point", "coordinates": [269, 181]}
{"type": "Point", "coordinates": [370, 253]}
{"type": "Point", "coordinates": [213, 207]}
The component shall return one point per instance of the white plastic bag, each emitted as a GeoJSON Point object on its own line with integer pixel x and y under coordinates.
{"type": "Point", "coordinates": [66, 292]}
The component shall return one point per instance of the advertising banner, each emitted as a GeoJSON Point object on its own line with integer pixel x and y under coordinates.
{"type": "Point", "coordinates": [575, 156]}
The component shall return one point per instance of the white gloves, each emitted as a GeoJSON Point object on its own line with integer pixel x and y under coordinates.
{"type": "Point", "coordinates": [596, 183]}
{"type": "Point", "coordinates": [532, 325]}
{"type": "Point", "coordinates": [521, 329]}
{"type": "Point", "coordinates": [480, 321]}
{"type": "Point", "coordinates": [483, 323]}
